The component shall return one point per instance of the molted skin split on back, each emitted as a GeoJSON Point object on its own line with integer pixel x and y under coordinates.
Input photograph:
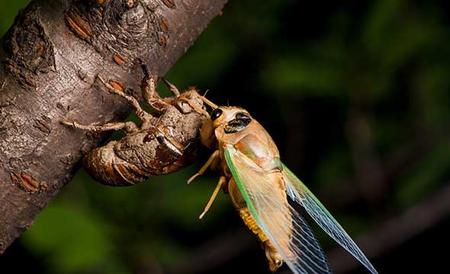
{"type": "Point", "coordinates": [153, 148]}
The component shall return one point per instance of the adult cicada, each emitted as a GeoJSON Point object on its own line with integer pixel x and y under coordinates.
{"type": "Point", "coordinates": [264, 192]}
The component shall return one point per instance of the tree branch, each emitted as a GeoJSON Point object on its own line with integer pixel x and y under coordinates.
{"type": "Point", "coordinates": [50, 59]}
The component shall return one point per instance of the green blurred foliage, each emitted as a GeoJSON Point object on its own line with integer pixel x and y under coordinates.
{"type": "Point", "coordinates": [337, 83]}
{"type": "Point", "coordinates": [79, 242]}
{"type": "Point", "coordinates": [8, 11]}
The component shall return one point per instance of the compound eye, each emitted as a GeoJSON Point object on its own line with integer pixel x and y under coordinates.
{"type": "Point", "coordinates": [216, 113]}
{"type": "Point", "coordinates": [243, 116]}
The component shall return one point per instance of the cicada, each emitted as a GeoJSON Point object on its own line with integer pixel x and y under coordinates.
{"type": "Point", "coordinates": [161, 144]}
{"type": "Point", "coordinates": [265, 193]}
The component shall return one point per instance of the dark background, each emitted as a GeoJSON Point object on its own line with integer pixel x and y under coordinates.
{"type": "Point", "coordinates": [355, 93]}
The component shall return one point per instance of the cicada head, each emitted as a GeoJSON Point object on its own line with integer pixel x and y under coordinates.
{"type": "Point", "coordinates": [226, 124]}
{"type": "Point", "coordinates": [232, 119]}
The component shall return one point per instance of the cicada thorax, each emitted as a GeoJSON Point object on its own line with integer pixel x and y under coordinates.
{"type": "Point", "coordinates": [163, 148]}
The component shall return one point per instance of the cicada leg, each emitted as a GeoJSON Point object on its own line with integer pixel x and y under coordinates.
{"type": "Point", "coordinates": [171, 87]}
{"type": "Point", "coordinates": [219, 186]}
{"type": "Point", "coordinates": [128, 126]}
{"type": "Point", "coordinates": [144, 116]}
{"type": "Point", "coordinates": [152, 97]}
{"type": "Point", "coordinates": [208, 163]}
{"type": "Point", "coordinates": [149, 92]}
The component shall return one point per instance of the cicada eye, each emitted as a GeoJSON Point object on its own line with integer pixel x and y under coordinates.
{"type": "Point", "coordinates": [243, 116]}
{"type": "Point", "coordinates": [216, 113]}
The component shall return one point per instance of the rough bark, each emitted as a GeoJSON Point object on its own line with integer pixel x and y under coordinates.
{"type": "Point", "coordinates": [49, 62]}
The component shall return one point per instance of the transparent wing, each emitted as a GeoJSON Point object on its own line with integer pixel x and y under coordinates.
{"type": "Point", "coordinates": [302, 195]}
{"type": "Point", "coordinates": [282, 224]}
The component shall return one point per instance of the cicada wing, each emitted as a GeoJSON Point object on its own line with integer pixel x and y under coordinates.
{"type": "Point", "coordinates": [302, 195]}
{"type": "Point", "coordinates": [281, 223]}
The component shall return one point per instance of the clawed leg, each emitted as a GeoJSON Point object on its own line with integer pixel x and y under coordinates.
{"type": "Point", "coordinates": [142, 114]}
{"type": "Point", "coordinates": [127, 126]}
{"type": "Point", "coordinates": [208, 163]}
{"type": "Point", "coordinates": [152, 97]}
{"type": "Point", "coordinates": [149, 92]}
{"type": "Point", "coordinates": [220, 184]}
{"type": "Point", "coordinates": [195, 107]}
{"type": "Point", "coordinates": [171, 87]}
